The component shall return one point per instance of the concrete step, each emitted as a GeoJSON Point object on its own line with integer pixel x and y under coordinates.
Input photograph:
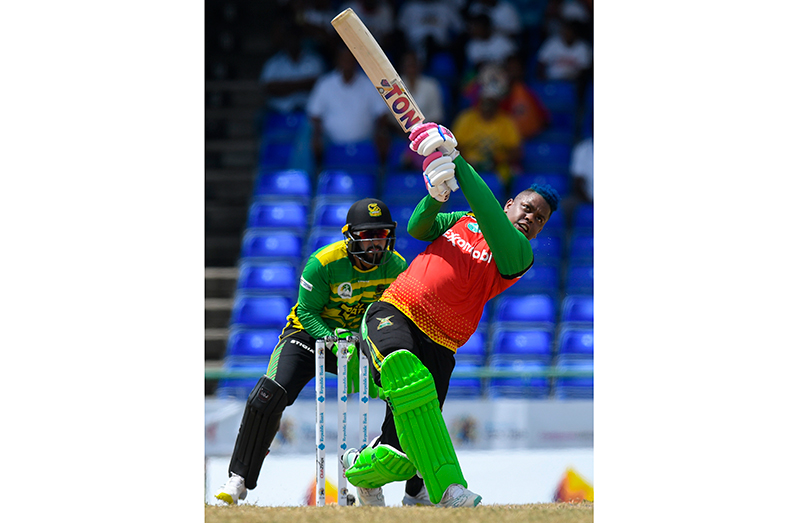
{"type": "Point", "coordinates": [229, 186]}
{"type": "Point", "coordinates": [215, 344]}
{"type": "Point", "coordinates": [225, 219]}
{"type": "Point", "coordinates": [220, 282]}
{"type": "Point", "coordinates": [222, 250]}
{"type": "Point", "coordinates": [217, 312]}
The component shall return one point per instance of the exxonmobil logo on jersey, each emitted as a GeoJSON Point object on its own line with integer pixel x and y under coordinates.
{"type": "Point", "coordinates": [456, 240]}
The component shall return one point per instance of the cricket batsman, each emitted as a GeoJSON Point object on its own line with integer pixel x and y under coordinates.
{"type": "Point", "coordinates": [414, 330]}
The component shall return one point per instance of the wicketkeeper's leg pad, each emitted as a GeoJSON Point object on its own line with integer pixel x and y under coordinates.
{"type": "Point", "coordinates": [377, 466]}
{"type": "Point", "coordinates": [413, 399]}
{"type": "Point", "coordinates": [259, 426]}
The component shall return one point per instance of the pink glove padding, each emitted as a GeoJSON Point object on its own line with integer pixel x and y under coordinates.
{"type": "Point", "coordinates": [426, 138]}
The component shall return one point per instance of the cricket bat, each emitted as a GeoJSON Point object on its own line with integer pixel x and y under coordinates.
{"type": "Point", "coordinates": [380, 71]}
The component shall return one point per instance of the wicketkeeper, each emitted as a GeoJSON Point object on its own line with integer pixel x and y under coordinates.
{"type": "Point", "coordinates": [337, 284]}
{"type": "Point", "coordinates": [414, 330]}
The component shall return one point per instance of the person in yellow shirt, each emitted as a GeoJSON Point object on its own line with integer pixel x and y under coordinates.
{"type": "Point", "coordinates": [487, 136]}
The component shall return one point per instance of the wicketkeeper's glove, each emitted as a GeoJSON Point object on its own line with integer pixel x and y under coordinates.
{"type": "Point", "coordinates": [353, 364]}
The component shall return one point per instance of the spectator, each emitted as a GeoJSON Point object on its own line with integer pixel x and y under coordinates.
{"type": "Point", "coordinates": [344, 107]}
{"type": "Point", "coordinates": [484, 44]}
{"type": "Point", "coordinates": [487, 137]}
{"type": "Point", "coordinates": [288, 76]}
{"type": "Point", "coordinates": [314, 17]}
{"type": "Point", "coordinates": [378, 16]}
{"type": "Point", "coordinates": [581, 174]}
{"type": "Point", "coordinates": [430, 26]}
{"type": "Point", "coordinates": [564, 56]}
{"type": "Point", "coordinates": [582, 170]}
{"type": "Point", "coordinates": [504, 16]}
{"type": "Point", "coordinates": [522, 104]}
{"type": "Point", "coordinates": [427, 93]}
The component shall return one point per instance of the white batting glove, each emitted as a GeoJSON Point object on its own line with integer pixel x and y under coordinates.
{"type": "Point", "coordinates": [438, 174]}
{"type": "Point", "coordinates": [429, 137]}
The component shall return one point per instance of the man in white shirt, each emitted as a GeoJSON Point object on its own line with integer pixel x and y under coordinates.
{"type": "Point", "coordinates": [344, 107]}
{"type": "Point", "coordinates": [289, 75]}
{"type": "Point", "coordinates": [563, 56]}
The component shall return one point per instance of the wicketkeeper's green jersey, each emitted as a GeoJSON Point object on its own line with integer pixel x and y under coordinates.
{"type": "Point", "coordinates": [334, 293]}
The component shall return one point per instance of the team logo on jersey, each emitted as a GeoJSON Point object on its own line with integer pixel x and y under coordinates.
{"type": "Point", "coordinates": [473, 227]}
{"type": "Point", "coordinates": [385, 322]}
{"type": "Point", "coordinates": [374, 210]}
{"type": "Point", "coordinates": [345, 290]}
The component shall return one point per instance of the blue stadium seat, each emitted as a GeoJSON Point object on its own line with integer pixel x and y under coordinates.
{"type": "Point", "coordinates": [360, 155]}
{"type": "Point", "coordinates": [579, 279]}
{"type": "Point", "coordinates": [457, 200]}
{"type": "Point", "coordinates": [464, 386]}
{"type": "Point", "coordinates": [331, 213]}
{"type": "Point", "coordinates": [577, 309]}
{"type": "Point", "coordinates": [574, 343]}
{"type": "Point", "coordinates": [583, 218]}
{"type": "Point", "coordinates": [547, 248]}
{"type": "Point", "coordinates": [522, 387]}
{"type": "Point", "coordinates": [443, 67]}
{"type": "Point", "coordinates": [283, 127]}
{"type": "Point", "coordinates": [289, 217]}
{"type": "Point", "coordinates": [474, 350]}
{"type": "Point", "coordinates": [403, 188]}
{"type": "Point", "coordinates": [556, 95]}
{"type": "Point", "coordinates": [562, 127]}
{"type": "Point", "coordinates": [268, 278]}
{"type": "Point", "coordinates": [251, 343]}
{"type": "Point", "coordinates": [557, 180]}
{"type": "Point", "coordinates": [580, 248]}
{"type": "Point", "coordinates": [283, 185]}
{"type": "Point", "coordinates": [260, 311]}
{"type": "Point", "coordinates": [540, 155]}
{"type": "Point", "coordinates": [540, 279]}
{"type": "Point", "coordinates": [263, 245]}
{"type": "Point", "coordinates": [522, 343]}
{"type": "Point", "coordinates": [409, 247]}
{"type": "Point", "coordinates": [346, 185]}
{"type": "Point", "coordinates": [240, 388]}
{"type": "Point", "coordinates": [573, 387]}
{"type": "Point", "coordinates": [275, 155]}
{"type": "Point", "coordinates": [401, 214]}
{"type": "Point", "coordinates": [538, 310]}
{"type": "Point", "coordinates": [321, 237]}
{"type": "Point", "coordinates": [400, 157]}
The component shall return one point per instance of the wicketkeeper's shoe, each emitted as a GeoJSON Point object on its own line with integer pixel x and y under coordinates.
{"type": "Point", "coordinates": [366, 497]}
{"type": "Point", "coordinates": [233, 490]}
{"type": "Point", "coordinates": [420, 499]}
{"type": "Point", "coordinates": [459, 496]}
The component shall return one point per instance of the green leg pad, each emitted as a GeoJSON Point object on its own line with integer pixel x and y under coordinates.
{"type": "Point", "coordinates": [422, 432]}
{"type": "Point", "coordinates": [378, 466]}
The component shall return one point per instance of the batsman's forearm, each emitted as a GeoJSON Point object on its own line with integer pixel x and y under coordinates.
{"type": "Point", "coordinates": [510, 248]}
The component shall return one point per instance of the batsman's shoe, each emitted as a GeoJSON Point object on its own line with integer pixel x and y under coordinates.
{"type": "Point", "coordinates": [366, 497]}
{"type": "Point", "coordinates": [459, 496]}
{"type": "Point", "coordinates": [420, 499]}
{"type": "Point", "coordinates": [370, 497]}
{"type": "Point", "coordinates": [233, 490]}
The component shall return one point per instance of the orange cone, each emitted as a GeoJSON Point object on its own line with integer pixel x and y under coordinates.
{"type": "Point", "coordinates": [573, 488]}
